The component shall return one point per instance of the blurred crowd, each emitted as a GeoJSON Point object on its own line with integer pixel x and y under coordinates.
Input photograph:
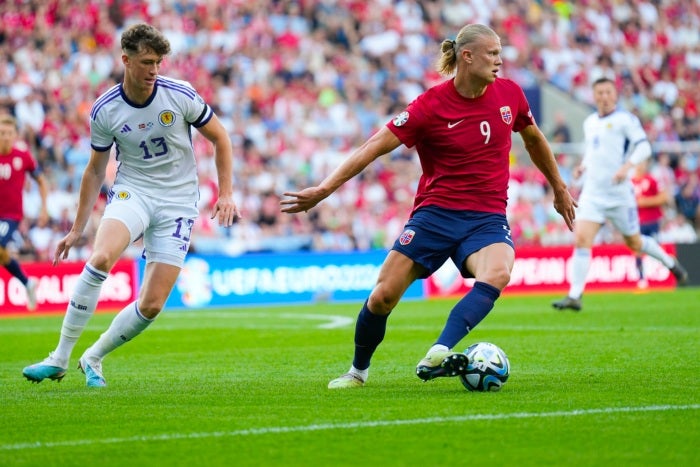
{"type": "Point", "coordinates": [298, 84]}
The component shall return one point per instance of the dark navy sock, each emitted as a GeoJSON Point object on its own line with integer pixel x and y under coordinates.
{"type": "Point", "coordinates": [468, 312]}
{"type": "Point", "coordinates": [640, 267]}
{"type": "Point", "coordinates": [16, 270]}
{"type": "Point", "coordinates": [369, 333]}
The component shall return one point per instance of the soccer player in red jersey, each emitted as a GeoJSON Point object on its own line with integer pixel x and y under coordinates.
{"type": "Point", "coordinates": [650, 202]}
{"type": "Point", "coordinates": [15, 162]}
{"type": "Point", "coordinates": [462, 130]}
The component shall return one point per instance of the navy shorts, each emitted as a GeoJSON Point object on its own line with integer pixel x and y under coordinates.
{"type": "Point", "coordinates": [7, 230]}
{"type": "Point", "coordinates": [650, 230]}
{"type": "Point", "coordinates": [434, 234]}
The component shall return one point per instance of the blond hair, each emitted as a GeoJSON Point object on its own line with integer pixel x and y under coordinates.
{"type": "Point", "coordinates": [469, 34]}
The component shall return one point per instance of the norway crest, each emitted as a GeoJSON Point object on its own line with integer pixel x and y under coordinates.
{"type": "Point", "coordinates": [407, 236]}
{"type": "Point", "coordinates": [506, 114]}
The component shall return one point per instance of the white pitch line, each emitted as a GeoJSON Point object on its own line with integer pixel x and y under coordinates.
{"type": "Point", "coordinates": [341, 426]}
{"type": "Point", "coordinates": [334, 321]}
{"type": "Point", "coordinates": [167, 322]}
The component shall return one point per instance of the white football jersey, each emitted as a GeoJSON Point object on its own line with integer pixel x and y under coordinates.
{"type": "Point", "coordinates": [608, 144]}
{"type": "Point", "coordinates": [153, 141]}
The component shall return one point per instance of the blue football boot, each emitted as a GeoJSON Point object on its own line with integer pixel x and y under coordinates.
{"type": "Point", "coordinates": [92, 368]}
{"type": "Point", "coordinates": [50, 368]}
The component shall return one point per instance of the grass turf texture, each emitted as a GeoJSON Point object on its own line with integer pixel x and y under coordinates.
{"type": "Point", "coordinates": [616, 384]}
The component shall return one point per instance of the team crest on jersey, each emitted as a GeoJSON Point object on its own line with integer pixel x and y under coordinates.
{"type": "Point", "coordinates": [407, 237]}
{"type": "Point", "coordinates": [401, 118]}
{"type": "Point", "coordinates": [506, 114]}
{"type": "Point", "coordinates": [122, 195]}
{"type": "Point", "coordinates": [166, 118]}
{"type": "Point", "coordinates": [17, 163]}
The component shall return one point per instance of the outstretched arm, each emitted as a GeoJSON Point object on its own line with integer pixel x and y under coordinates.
{"type": "Point", "coordinates": [224, 208]}
{"type": "Point", "coordinates": [382, 142]}
{"type": "Point", "coordinates": [541, 154]}
{"type": "Point", "coordinates": [90, 184]}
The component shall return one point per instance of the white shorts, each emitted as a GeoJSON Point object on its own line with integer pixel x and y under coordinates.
{"type": "Point", "coordinates": [625, 218]}
{"type": "Point", "coordinates": [165, 225]}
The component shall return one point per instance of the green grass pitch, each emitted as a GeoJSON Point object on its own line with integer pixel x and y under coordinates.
{"type": "Point", "coordinates": [617, 384]}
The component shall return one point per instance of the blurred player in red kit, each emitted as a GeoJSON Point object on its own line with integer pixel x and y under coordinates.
{"type": "Point", "coordinates": [650, 203]}
{"type": "Point", "coordinates": [15, 162]}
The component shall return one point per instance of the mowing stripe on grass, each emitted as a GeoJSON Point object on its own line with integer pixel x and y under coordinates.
{"type": "Point", "coordinates": [342, 426]}
{"type": "Point", "coordinates": [233, 320]}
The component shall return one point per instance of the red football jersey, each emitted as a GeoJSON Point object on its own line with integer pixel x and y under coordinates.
{"type": "Point", "coordinates": [646, 186]}
{"type": "Point", "coordinates": [464, 144]}
{"type": "Point", "coordinates": [13, 168]}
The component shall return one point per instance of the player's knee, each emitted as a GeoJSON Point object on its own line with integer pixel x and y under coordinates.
{"type": "Point", "coordinates": [380, 302]}
{"type": "Point", "coordinates": [150, 308]}
{"type": "Point", "coordinates": [634, 243]}
{"type": "Point", "coordinates": [497, 277]}
{"type": "Point", "coordinates": [101, 261]}
{"type": "Point", "coordinates": [582, 241]}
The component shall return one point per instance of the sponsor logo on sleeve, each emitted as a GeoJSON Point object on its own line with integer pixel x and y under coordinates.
{"type": "Point", "coordinates": [401, 119]}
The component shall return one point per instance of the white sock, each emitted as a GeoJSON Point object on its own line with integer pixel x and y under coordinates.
{"type": "Point", "coordinates": [362, 374]}
{"type": "Point", "coordinates": [438, 348]}
{"type": "Point", "coordinates": [653, 249]}
{"type": "Point", "coordinates": [128, 324]}
{"type": "Point", "coordinates": [580, 264]}
{"type": "Point", "coordinates": [81, 307]}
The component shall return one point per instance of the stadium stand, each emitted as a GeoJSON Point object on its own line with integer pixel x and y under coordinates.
{"type": "Point", "coordinates": [298, 83]}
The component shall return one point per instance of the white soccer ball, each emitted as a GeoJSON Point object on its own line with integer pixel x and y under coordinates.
{"type": "Point", "coordinates": [488, 367]}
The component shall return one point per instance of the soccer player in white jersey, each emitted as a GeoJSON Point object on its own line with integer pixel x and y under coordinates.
{"type": "Point", "coordinates": [148, 120]}
{"type": "Point", "coordinates": [614, 143]}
